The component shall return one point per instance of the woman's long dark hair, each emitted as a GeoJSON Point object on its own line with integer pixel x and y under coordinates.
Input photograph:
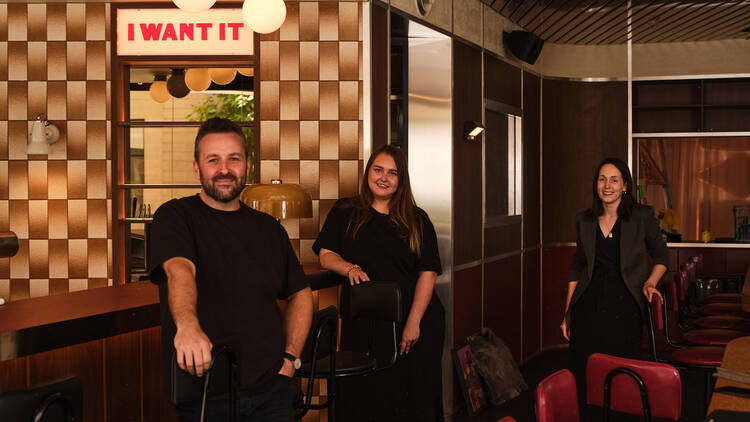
{"type": "Point", "coordinates": [402, 208]}
{"type": "Point", "coordinates": [627, 201]}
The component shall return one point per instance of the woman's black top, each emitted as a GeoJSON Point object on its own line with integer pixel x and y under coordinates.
{"type": "Point", "coordinates": [411, 390]}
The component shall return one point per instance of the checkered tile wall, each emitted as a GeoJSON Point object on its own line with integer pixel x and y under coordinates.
{"type": "Point", "coordinates": [54, 59]}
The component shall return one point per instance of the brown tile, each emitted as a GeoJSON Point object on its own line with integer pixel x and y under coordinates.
{"type": "Point", "coordinates": [76, 140]}
{"type": "Point", "coordinates": [329, 179]}
{"type": "Point", "coordinates": [324, 207]}
{"type": "Point", "coordinates": [97, 258]}
{"type": "Point", "coordinates": [3, 100]}
{"type": "Point", "coordinates": [17, 21]}
{"type": "Point", "coordinates": [329, 140]}
{"type": "Point", "coordinates": [18, 218]}
{"type": "Point", "coordinates": [19, 289]}
{"type": "Point", "coordinates": [348, 172]}
{"type": "Point", "coordinates": [289, 171]}
{"type": "Point", "coordinates": [78, 258]}
{"type": "Point", "coordinates": [289, 61]}
{"type": "Point", "coordinates": [57, 101]}
{"type": "Point", "coordinates": [308, 227]}
{"type": "Point", "coordinates": [96, 100]}
{"type": "Point", "coordinates": [269, 170]}
{"type": "Point", "coordinates": [349, 139]}
{"type": "Point", "coordinates": [289, 31]}
{"type": "Point", "coordinates": [37, 174]}
{"type": "Point", "coordinates": [58, 258]}
{"type": "Point", "coordinates": [95, 283]}
{"type": "Point", "coordinates": [306, 253]}
{"type": "Point", "coordinates": [57, 60]}
{"type": "Point", "coordinates": [329, 101]}
{"type": "Point", "coordinates": [308, 61]}
{"type": "Point", "coordinates": [329, 21]}
{"type": "Point", "coordinates": [38, 258]}
{"type": "Point", "coordinates": [56, 25]}
{"type": "Point", "coordinates": [57, 183]}
{"type": "Point", "coordinates": [37, 98]}
{"type": "Point", "coordinates": [17, 100]}
{"type": "Point", "coordinates": [58, 286]}
{"type": "Point", "coordinates": [4, 215]}
{"type": "Point", "coordinates": [3, 176]}
{"type": "Point", "coordinates": [348, 100]}
{"type": "Point", "coordinates": [18, 137]}
{"type": "Point", "coordinates": [37, 61]}
{"type": "Point", "coordinates": [309, 140]}
{"type": "Point", "coordinates": [288, 100]}
{"type": "Point", "coordinates": [269, 139]}
{"type": "Point", "coordinates": [17, 61]}
{"type": "Point", "coordinates": [96, 140]}
{"type": "Point", "coordinates": [57, 211]}
{"type": "Point", "coordinates": [37, 25]}
{"type": "Point", "coordinates": [3, 139]}
{"type": "Point", "coordinates": [289, 140]}
{"type": "Point", "coordinates": [348, 21]}
{"type": "Point", "coordinates": [107, 100]}
{"type": "Point", "coordinates": [308, 21]}
{"type": "Point", "coordinates": [95, 22]}
{"type": "Point", "coordinates": [4, 23]}
{"type": "Point", "coordinates": [96, 178]}
{"type": "Point", "coordinates": [4, 276]}
{"type": "Point", "coordinates": [76, 22]}
{"type": "Point", "coordinates": [329, 61]}
{"type": "Point", "coordinates": [349, 61]}
{"type": "Point", "coordinates": [96, 60]}
{"type": "Point", "coordinates": [269, 105]}
{"type": "Point", "coordinates": [18, 184]}
{"type": "Point", "coordinates": [108, 17]}
{"type": "Point", "coordinates": [309, 178]}
{"type": "Point", "coordinates": [309, 100]}
{"type": "Point", "coordinates": [269, 61]}
{"type": "Point", "coordinates": [77, 179]}
{"type": "Point", "coordinates": [77, 216]}
{"type": "Point", "coordinates": [97, 218]}
{"type": "Point", "coordinates": [76, 100]}
{"type": "Point", "coordinates": [76, 60]}
{"type": "Point", "coordinates": [360, 139]}
{"type": "Point", "coordinates": [360, 102]}
{"type": "Point", "coordinates": [359, 58]}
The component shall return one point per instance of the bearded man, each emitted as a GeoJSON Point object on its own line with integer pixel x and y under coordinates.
{"type": "Point", "coordinates": [221, 267]}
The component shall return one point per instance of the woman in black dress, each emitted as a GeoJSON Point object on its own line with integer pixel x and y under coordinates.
{"type": "Point", "coordinates": [381, 235]}
{"type": "Point", "coordinates": [610, 282]}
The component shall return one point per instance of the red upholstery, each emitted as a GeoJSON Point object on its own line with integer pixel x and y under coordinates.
{"type": "Point", "coordinates": [657, 313]}
{"type": "Point", "coordinates": [722, 321]}
{"type": "Point", "coordinates": [557, 398]}
{"type": "Point", "coordinates": [699, 355]}
{"type": "Point", "coordinates": [663, 386]}
{"type": "Point", "coordinates": [682, 282]}
{"type": "Point", "coordinates": [670, 293]}
{"type": "Point", "coordinates": [711, 337]}
{"type": "Point", "coordinates": [507, 419]}
{"type": "Point", "coordinates": [731, 309]}
{"type": "Point", "coordinates": [725, 298]}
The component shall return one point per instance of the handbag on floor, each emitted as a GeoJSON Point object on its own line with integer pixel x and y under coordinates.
{"type": "Point", "coordinates": [496, 366]}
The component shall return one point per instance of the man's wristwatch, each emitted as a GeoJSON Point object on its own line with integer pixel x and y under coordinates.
{"type": "Point", "coordinates": [295, 360]}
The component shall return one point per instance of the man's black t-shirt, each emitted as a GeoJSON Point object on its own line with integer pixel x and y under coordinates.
{"type": "Point", "coordinates": [244, 263]}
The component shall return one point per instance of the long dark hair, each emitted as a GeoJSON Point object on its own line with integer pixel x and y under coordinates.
{"type": "Point", "coordinates": [402, 208]}
{"type": "Point", "coordinates": [627, 201]}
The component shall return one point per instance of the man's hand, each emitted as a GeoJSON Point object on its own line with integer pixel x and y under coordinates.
{"type": "Point", "coordinates": [287, 369]}
{"type": "Point", "coordinates": [193, 349]}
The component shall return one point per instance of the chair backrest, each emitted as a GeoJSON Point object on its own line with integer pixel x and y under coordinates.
{"type": "Point", "coordinates": [662, 392]}
{"type": "Point", "coordinates": [323, 330]}
{"type": "Point", "coordinates": [507, 419]}
{"type": "Point", "coordinates": [63, 398]}
{"type": "Point", "coordinates": [557, 398]}
{"type": "Point", "coordinates": [670, 292]}
{"type": "Point", "coordinates": [376, 300]}
{"type": "Point", "coordinates": [682, 283]}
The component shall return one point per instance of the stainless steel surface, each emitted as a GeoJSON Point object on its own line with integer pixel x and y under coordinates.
{"type": "Point", "coordinates": [602, 22]}
{"type": "Point", "coordinates": [431, 156]}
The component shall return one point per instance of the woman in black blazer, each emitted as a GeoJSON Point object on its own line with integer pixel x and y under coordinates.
{"type": "Point", "coordinates": [610, 281]}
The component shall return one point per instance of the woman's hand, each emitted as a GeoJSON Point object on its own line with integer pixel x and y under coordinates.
{"type": "Point", "coordinates": [649, 290]}
{"type": "Point", "coordinates": [409, 336]}
{"type": "Point", "coordinates": [565, 330]}
{"type": "Point", "coordinates": [356, 275]}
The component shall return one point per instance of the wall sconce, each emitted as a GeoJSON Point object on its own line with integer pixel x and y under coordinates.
{"type": "Point", "coordinates": [264, 16]}
{"type": "Point", "coordinates": [472, 130]}
{"type": "Point", "coordinates": [194, 5]}
{"type": "Point", "coordinates": [43, 134]}
{"type": "Point", "coordinates": [278, 200]}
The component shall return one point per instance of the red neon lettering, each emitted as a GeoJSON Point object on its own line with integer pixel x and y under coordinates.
{"type": "Point", "coordinates": [150, 31]}
{"type": "Point", "coordinates": [131, 32]}
{"type": "Point", "coordinates": [222, 31]}
{"type": "Point", "coordinates": [169, 32]}
{"type": "Point", "coordinates": [235, 29]}
{"type": "Point", "coordinates": [204, 29]}
{"type": "Point", "coordinates": [186, 30]}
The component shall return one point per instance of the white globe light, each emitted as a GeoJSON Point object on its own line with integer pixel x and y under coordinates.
{"type": "Point", "coordinates": [264, 16]}
{"type": "Point", "coordinates": [222, 75]}
{"type": "Point", "coordinates": [158, 91]}
{"type": "Point", "coordinates": [194, 5]}
{"type": "Point", "coordinates": [197, 79]}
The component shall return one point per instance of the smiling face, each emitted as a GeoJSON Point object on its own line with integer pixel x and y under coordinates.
{"type": "Point", "coordinates": [221, 166]}
{"type": "Point", "coordinates": [610, 185]}
{"type": "Point", "coordinates": [383, 177]}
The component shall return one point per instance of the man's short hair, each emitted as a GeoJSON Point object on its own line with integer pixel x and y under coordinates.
{"type": "Point", "coordinates": [218, 125]}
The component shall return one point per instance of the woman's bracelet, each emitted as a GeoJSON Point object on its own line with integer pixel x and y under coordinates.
{"type": "Point", "coordinates": [353, 267]}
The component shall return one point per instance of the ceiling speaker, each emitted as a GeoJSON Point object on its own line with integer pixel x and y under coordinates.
{"type": "Point", "coordinates": [524, 45]}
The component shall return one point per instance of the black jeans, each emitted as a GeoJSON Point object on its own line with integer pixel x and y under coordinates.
{"type": "Point", "coordinates": [269, 403]}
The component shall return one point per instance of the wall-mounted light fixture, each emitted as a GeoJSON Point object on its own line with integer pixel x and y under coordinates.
{"type": "Point", "coordinates": [264, 16]}
{"type": "Point", "coordinates": [472, 130]}
{"type": "Point", "coordinates": [158, 89]}
{"type": "Point", "coordinates": [194, 5]}
{"type": "Point", "coordinates": [43, 134]}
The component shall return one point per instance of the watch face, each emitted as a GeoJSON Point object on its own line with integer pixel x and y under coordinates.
{"type": "Point", "coordinates": [297, 363]}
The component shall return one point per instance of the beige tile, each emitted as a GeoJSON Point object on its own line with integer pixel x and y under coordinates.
{"type": "Point", "coordinates": [76, 100]}
{"type": "Point", "coordinates": [77, 179]}
{"type": "Point", "coordinates": [329, 140]}
{"type": "Point", "coordinates": [289, 60]}
{"type": "Point", "coordinates": [57, 101]}
{"type": "Point", "coordinates": [37, 61]}
{"type": "Point", "coordinates": [329, 179]}
{"type": "Point", "coordinates": [18, 138]}
{"type": "Point", "coordinates": [269, 61]}
{"type": "Point", "coordinates": [349, 139]}
{"type": "Point", "coordinates": [349, 61]}
{"type": "Point", "coordinates": [77, 258]}
{"type": "Point", "coordinates": [289, 171]}
{"type": "Point", "coordinates": [76, 140]}
{"type": "Point", "coordinates": [56, 25]}
{"type": "Point", "coordinates": [348, 175]}
{"type": "Point", "coordinates": [37, 26]}
{"type": "Point", "coordinates": [308, 61]}
{"type": "Point", "coordinates": [306, 253]}
{"type": "Point", "coordinates": [289, 100]}
{"type": "Point", "coordinates": [39, 258]}
{"type": "Point", "coordinates": [78, 284]}
{"type": "Point", "coordinates": [5, 282]}
{"type": "Point", "coordinates": [96, 100]}
{"type": "Point", "coordinates": [77, 219]}
{"type": "Point", "coordinates": [17, 19]}
{"type": "Point", "coordinates": [309, 140]}
{"type": "Point", "coordinates": [273, 36]}
{"type": "Point", "coordinates": [96, 140]}
{"type": "Point", "coordinates": [3, 140]}
{"type": "Point", "coordinates": [37, 98]}
{"type": "Point", "coordinates": [269, 100]}
{"type": "Point", "coordinates": [309, 100]}
{"type": "Point", "coordinates": [329, 61]}
{"type": "Point", "coordinates": [97, 261]}
{"type": "Point", "coordinates": [96, 60]}
{"type": "Point", "coordinates": [19, 264]}
{"type": "Point", "coordinates": [58, 220]}
{"type": "Point", "coordinates": [96, 178]}
{"type": "Point", "coordinates": [348, 21]}
{"type": "Point", "coordinates": [18, 218]}
{"type": "Point", "coordinates": [308, 21]}
{"type": "Point", "coordinates": [269, 139]}
{"type": "Point", "coordinates": [76, 60]}
{"type": "Point", "coordinates": [76, 22]}
{"type": "Point", "coordinates": [95, 22]}
{"type": "Point", "coordinates": [292, 228]}
{"type": "Point", "coordinates": [289, 140]}
{"type": "Point", "coordinates": [37, 177]}
{"type": "Point", "coordinates": [329, 25]}
{"type": "Point", "coordinates": [309, 178]}
{"type": "Point", "coordinates": [17, 101]}
{"type": "Point", "coordinates": [18, 182]}
{"type": "Point", "coordinates": [349, 100]}
{"type": "Point", "coordinates": [289, 31]}
{"type": "Point", "coordinates": [269, 170]}
{"type": "Point", "coordinates": [58, 258]}
{"type": "Point", "coordinates": [57, 180]}
{"type": "Point", "coordinates": [97, 218]}
{"type": "Point", "coordinates": [329, 101]}
{"type": "Point", "coordinates": [4, 215]}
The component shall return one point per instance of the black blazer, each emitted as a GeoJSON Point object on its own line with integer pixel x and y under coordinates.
{"type": "Point", "coordinates": [639, 235]}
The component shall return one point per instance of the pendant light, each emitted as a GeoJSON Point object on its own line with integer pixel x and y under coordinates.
{"type": "Point", "coordinates": [194, 5]}
{"type": "Point", "coordinates": [197, 79]}
{"type": "Point", "coordinates": [176, 84]}
{"type": "Point", "coordinates": [264, 16]}
{"type": "Point", "coordinates": [222, 75]}
{"type": "Point", "coordinates": [158, 89]}
{"type": "Point", "coordinates": [247, 71]}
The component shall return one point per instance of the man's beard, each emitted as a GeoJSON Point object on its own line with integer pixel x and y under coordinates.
{"type": "Point", "coordinates": [209, 186]}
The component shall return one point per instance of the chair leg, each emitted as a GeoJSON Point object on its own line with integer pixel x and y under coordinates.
{"type": "Point", "coordinates": [331, 384]}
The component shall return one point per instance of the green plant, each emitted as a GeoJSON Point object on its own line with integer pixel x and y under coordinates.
{"type": "Point", "coordinates": [235, 107]}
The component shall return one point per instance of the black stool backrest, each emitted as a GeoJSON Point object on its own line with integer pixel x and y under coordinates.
{"type": "Point", "coordinates": [322, 328]}
{"type": "Point", "coordinates": [34, 403]}
{"type": "Point", "coordinates": [376, 300]}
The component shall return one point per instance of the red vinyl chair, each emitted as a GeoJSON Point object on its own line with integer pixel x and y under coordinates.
{"type": "Point", "coordinates": [716, 297]}
{"type": "Point", "coordinates": [557, 398]}
{"type": "Point", "coordinates": [727, 309]}
{"type": "Point", "coordinates": [637, 387]}
{"type": "Point", "coordinates": [507, 419]}
{"type": "Point", "coordinates": [728, 322]}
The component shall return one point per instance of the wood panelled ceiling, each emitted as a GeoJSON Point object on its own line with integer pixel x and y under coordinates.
{"type": "Point", "coordinates": [617, 21]}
